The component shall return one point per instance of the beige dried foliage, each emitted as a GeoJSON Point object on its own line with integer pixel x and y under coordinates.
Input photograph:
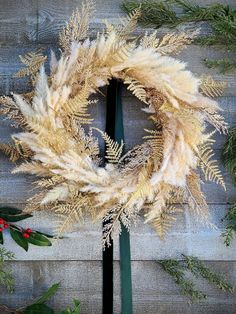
{"type": "Point", "coordinates": [212, 88]}
{"type": "Point", "coordinates": [172, 43]}
{"type": "Point", "coordinates": [65, 155]}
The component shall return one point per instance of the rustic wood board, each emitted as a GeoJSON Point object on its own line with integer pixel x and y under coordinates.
{"type": "Point", "coordinates": [82, 280]}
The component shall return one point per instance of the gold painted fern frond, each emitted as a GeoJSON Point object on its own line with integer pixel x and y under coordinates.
{"type": "Point", "coordinates": [11, 111]}
{"type": "Point", "coordinates": [33, 61]}
{"type": "Point", "coordinates": [165, 219]}
{"type": "Point", "coordinates": [114, 150]}
{"type": "Point", "coordinates": [172, 43]}
{"type": "Point", "coordinates": [212, 88]}
{"type": "Point", "coordinates": [128, 23]}
{"type": "Point", "coordinates": [78, 107]}
{"type": "Point", "coordinates": [208, 166]}
{"type": "Point", "coordinates": [77, 27]}
{"type": "Point", "coordinates": [71, 212]}
{"type": "Point", "coordinates": [137, 89]}
{"type": "Point", "coordinates": [196, 199]}
{"type": "Point", "coordinates": [10, 151]}
{"type": "Point", "coordinates": [155, 140]}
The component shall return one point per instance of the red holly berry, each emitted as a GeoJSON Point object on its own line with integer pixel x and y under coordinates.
{"type": "Point", "coordinates": [28, 230]}
{"type": "Point", "coordinates": [1, 221]}
{"type": "Point", "coordinates": [0, 229]}
{"type": "Point", "coordinates": [26, 235]}
{"type": "Point", "coordinates": [6, 226]}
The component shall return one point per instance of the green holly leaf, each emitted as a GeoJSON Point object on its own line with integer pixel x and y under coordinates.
{"type": "Point", "coordinates": [38, 309]}
{"type": "Point", "coordinates": [46, 234]}
{"type": "Point", "coordinates": [14, 218]}
{"type": "Point", "coordinates": [10, 210]}
{"type": "Point", "coordinates": [48, 294]}
{"type": "Point", "coordinates": [19, 239]}
{"type": "Point", "coordinates": [39, 239]}
{"type": "Point", "coordinates": [12, 214]}
{"type": "Point", "coordinates": [1, 238]}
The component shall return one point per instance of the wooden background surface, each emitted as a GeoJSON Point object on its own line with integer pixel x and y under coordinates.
{"type": "Point", "coordinates": [76, 260]}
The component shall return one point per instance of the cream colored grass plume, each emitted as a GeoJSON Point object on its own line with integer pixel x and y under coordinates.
{"type": "Point", "coordinates": [151, 178]}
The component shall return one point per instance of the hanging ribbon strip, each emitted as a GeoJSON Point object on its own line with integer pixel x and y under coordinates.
{"type": "Point", "coordinates": [114, 128]}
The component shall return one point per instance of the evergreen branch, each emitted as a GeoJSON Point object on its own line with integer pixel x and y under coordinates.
{"type": "Point", "coordinates": [153, 14]}
{"type": "Point", "coordinates": [230, 230]}
{"type": "Point", "coordinates": [187, 287]}
{"type": "Point", "coordinates": [223, 65]}
{"type": "Point", "coordinates": [198, 269]}
{"type": "Point", "coordinates": [6, 278]}
{"type": "Point", "coordinates": [221, 18]}
{"type": "Point", "coordinates": [228, 153]}
{"type": "Point", "coordinates": [178, 271]}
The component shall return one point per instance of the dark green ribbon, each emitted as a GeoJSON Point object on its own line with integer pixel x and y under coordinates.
{"type": "Point", "coordinates": [115, 129]}
{"type": "Point", "coordinates": [125, 258]}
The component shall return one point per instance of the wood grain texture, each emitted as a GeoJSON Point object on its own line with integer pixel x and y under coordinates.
{"type": "Point", "coordinates": [83, 281]}
{"type": "Point", "coordinates": [84, 243]}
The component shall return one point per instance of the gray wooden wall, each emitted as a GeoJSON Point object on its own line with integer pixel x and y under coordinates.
{"type": "Point", "coordinates": [76, 260]}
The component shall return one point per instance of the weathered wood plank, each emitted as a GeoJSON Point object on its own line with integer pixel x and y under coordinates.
{"type": "Point", "coordinates": [186, 236]}
{"type": "Point", "coordinates": [40, 21]}
{"type": "Point", "coordinates": [153, 289]}
{"type": "Point", "coordinates": [18, 21]}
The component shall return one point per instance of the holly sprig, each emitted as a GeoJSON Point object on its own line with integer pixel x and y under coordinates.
{"type": "Point", "coordinates": [22, 236]}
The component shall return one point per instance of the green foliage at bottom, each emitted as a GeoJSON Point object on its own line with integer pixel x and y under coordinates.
{"type": "Point", "coordinates": [6, 277]}
{"type": "Point", "coordinates": [178, 271]}
{"type": "Point", "coordinates": [38, 306]}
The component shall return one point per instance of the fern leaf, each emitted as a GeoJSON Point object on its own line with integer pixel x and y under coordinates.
{"type": "Point", "coordinates": [33, 61]}
{"type": "Point", "coordinates": [129, 23]}
{"type": "Point", "coordinates": [113, 149]}
{"type": "Point", "coordinates": [71, 213]}
{"type": "Point", "coordinates": [155, 140]}
{"type": "Point", "coordinates": [137, 89]}
{"type": "Point", "coordinates": [12, 112]}
{"type": "Point", "coordinates": [174, 43]}
{"type": "Point", "coordinates": [165, 219]}
{"type": "Point", "coordinates": [10, 151]}
{"type": "Point", "coordinates": [208, 166]}
{"type": "Point", "coordinates": [212, 88]}
{"type": "Point", "coordinates": [78, 107]}
{"type": "Point", "coordinates": [195, 198]}
{"type": "Point", "coordinates": [76, 28]}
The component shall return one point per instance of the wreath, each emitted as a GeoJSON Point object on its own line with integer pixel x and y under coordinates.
{"type": "Point", "coordinates": [153, 177]}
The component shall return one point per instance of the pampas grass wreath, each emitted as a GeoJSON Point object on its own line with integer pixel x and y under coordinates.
{"type": "Point", "coordinates": [156, 177]}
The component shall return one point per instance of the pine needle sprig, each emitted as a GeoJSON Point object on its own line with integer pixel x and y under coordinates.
{"type": "Point", "coordinates": [223, 65]}
{"type": "Point", "coordinates": [229, 153]}
{"type": "Point", "coordinates": [6, 278]}
{"type": "Point", "coordinates": [178, 270]}
{"type": "Point", "coordinates": [153, 14]}
{"type": "Point", "coordinates": [187, 287]}
{"type": "Point", "coordinates": [220, 17]}
{"type": "Point", "coordinates": [230, 231]}
{"type": "Point", "coordinates": [198, 269]}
